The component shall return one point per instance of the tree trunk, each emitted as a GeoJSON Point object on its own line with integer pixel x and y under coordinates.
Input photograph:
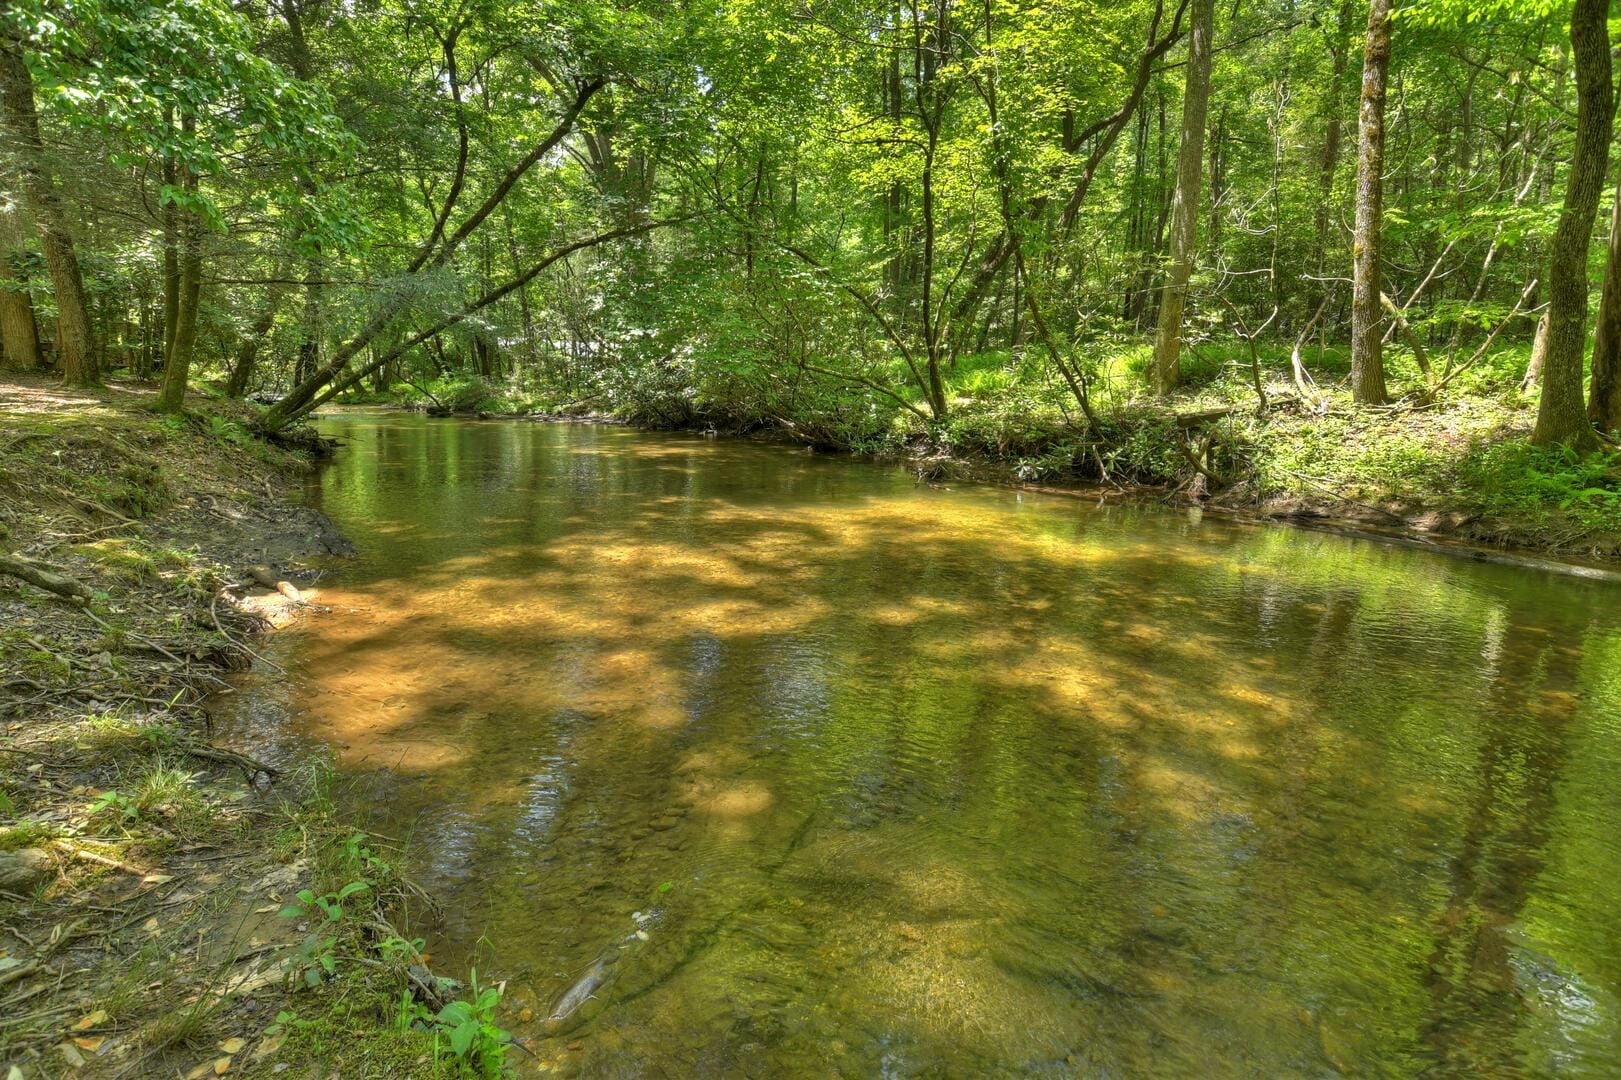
{"type": "Point", "coordinates": [1185, 203]}
{"type": "Point", "coordinates": [18, 335]}
{"type": "Point", "coordinates": [1604, 398]}
{"type": "Point", "coordinates": [75, 347]}
{"type": "Point", "coordinates": [1367, 329]}
{"type": "Point", "coordinates": [172, 395]}
{"type": "Point", "coordinates": [242, 369]}
{"type": "Point", "coordinates": [1562, 414]}
{"type": "Point", "coordinates": [1333, 135]}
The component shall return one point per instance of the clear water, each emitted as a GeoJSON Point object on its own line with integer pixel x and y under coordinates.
{"type": "Point", "coordinates": [911, 781]}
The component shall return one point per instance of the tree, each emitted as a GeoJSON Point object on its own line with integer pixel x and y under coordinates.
{"type": "Point", "coordinates": [1604, 396]}
{"type": "Point", "coordinates": [1562, 414]}
{"type": "Point", "coordinates": [1185, 203]}
{"type": "Point", "coordinates": [1367, 315]}
{"type": "Point", "coordinates": [75, 346]}
{"type": "Point", "coordinates": [18, 334]}
{"type": "Point", "coordinates": [188, 291]}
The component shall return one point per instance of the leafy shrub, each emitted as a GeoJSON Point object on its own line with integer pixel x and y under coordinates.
{"type": "Point", "coordinates": [1513, 478]}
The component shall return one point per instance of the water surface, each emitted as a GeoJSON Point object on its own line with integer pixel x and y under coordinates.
{"type": "Point", "coordinates": [915, 781]}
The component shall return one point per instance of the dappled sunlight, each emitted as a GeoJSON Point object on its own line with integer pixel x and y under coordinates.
{"type": "Point", "coordinates": [945, 775]}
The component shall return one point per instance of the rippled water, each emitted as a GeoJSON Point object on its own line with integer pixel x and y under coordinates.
{"type": "Point", "coordinates": [914, 781]}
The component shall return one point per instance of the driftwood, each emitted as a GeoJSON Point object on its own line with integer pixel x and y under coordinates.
{"type": "Point", "coordinates": [262, 576]}
{"type": "Point", "coordinates": [44, 577]}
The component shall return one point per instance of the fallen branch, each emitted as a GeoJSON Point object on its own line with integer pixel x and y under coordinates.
{"type": "Point", "coordinates": [44, 577]}
{"type": "Point", "coordinates": [1467, 364]}
{"type": "Point", "coordinates": [1199, 416]}
{"type": "Point", "coordinates": [1400, 323]}
{"type": "Point", "coordinates": [86, 855]}
{"type": "Point", "coordinates": [1303, 380]}
{"type": "Point", "coordinates": [230, 757]}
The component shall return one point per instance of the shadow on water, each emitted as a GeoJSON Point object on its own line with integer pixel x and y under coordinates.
{"type": "Point", "coordinates": [968, 781]}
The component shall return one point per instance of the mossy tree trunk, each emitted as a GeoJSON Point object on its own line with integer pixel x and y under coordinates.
{"type": "Point", "coordinates": [1185, 202]}
{"type": "Point", "coordinates": [1562, 413]}
{"type": "Point", "coordinates": [1367, 315]}
{"type": "Point", "coordinates": [1604, 397]}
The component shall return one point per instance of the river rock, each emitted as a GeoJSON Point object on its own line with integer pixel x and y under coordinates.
{"type": "Point", "coordinates": [23, 869]}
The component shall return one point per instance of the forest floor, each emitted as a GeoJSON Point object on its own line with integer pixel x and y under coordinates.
{"type": "Point", "coordinates": [168, 906]}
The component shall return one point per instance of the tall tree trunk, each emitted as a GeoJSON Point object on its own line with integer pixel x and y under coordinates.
{"type": "Point", "coordinates": [309, 333]}
{"type": "Point", "coordinates": [172, 394]}
{"type": "Point", "coordinates": [1562, 414]}
{"type": "Point", "coordinates": [1333, 137]}
{"type": "Point", "coordinates": [18, 335]}
{"type": "Point", "coordinates": [171, 249]}
{"type": "Point", "coordinates": [1604, 398]}
{"type": "Point", "coordinates": [1367, 365]}
{"type": "Point", "coordinates": [1185, 203]}
{"type": "Point", "coordinates": [75, 345]}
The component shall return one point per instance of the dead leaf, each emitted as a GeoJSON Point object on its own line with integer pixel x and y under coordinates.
{"type": "Point", "coordinates": [267, 909]}
{"type": "Point", "coordinates": [94, 1019]}
{"type": "Point", "coordinates": [233, 1046]}
{"type": "Point", "coordinates": [269, 1046]}
{"type": "Point", "coordinates": [222, 1066]}
{"type": "Point", "coordinates": [91, 1043]}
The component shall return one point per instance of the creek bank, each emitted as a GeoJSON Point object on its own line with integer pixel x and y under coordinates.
{"type": "Point", "coordinates": [1419, 478]}
{"type": "Point", "coordinates": [159, 892]}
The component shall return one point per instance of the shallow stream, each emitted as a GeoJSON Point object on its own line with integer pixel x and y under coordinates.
{"type": "Point", "coordinates": [861, 777]}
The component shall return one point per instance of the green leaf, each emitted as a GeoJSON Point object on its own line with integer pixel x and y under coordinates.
{"type": "Point", "coordinates": [462, 1037]}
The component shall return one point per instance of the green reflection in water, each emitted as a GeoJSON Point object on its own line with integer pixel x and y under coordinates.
{"type": "Point", "coordinates": [967, 781]}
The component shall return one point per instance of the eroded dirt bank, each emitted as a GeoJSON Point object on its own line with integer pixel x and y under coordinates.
{"type": "Point", "coordinates": [146, 869]}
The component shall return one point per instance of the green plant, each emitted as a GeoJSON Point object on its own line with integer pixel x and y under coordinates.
{"type": "Point", "coordinates": [122, 806]}
{"type": "Point", "coordinates": [330, 905]}
{"type": "Point", "coordinates": [287, 1020]}
{"type": "Point", "coordinates": [317, 957]}
{"type": "Point", "coordinates": [469, 1029]}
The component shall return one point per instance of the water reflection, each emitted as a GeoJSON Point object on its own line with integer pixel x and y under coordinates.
{"type": "Point", "coordinates": [924, 781]}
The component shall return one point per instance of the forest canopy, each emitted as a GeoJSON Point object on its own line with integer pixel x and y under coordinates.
{"type": "Point", "coordinates": [1034, 228]}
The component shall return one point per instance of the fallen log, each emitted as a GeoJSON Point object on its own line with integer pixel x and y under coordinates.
{"type": "Point", "coordinates": [44, 577]}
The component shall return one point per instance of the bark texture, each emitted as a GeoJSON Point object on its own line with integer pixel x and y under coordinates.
{"type": "Point", "coordinates": [75, 348]}
{"type": "Point", "coordinates": [1185, 202]}
{"type": "Point", "coordinates": [1604, 397]}
{"type": "Point", "coordinates": [176, 372]}
{"type": "Point", "coordinates": [19, 336]}
{"type": "Point", "coordinates": [1562, 413]}
{"type": "Point", "coordinates": [1367, 326]}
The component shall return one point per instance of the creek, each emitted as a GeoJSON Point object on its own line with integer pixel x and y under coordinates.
{"type": "Point", "coordinates": [865, 777]}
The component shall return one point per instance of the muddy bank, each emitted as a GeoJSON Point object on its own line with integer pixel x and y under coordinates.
{"type": "Point", "coordinates": [159, 890]}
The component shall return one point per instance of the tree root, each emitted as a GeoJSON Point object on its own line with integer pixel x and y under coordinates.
{"type": "Point", "coordinates": [44, 577]}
